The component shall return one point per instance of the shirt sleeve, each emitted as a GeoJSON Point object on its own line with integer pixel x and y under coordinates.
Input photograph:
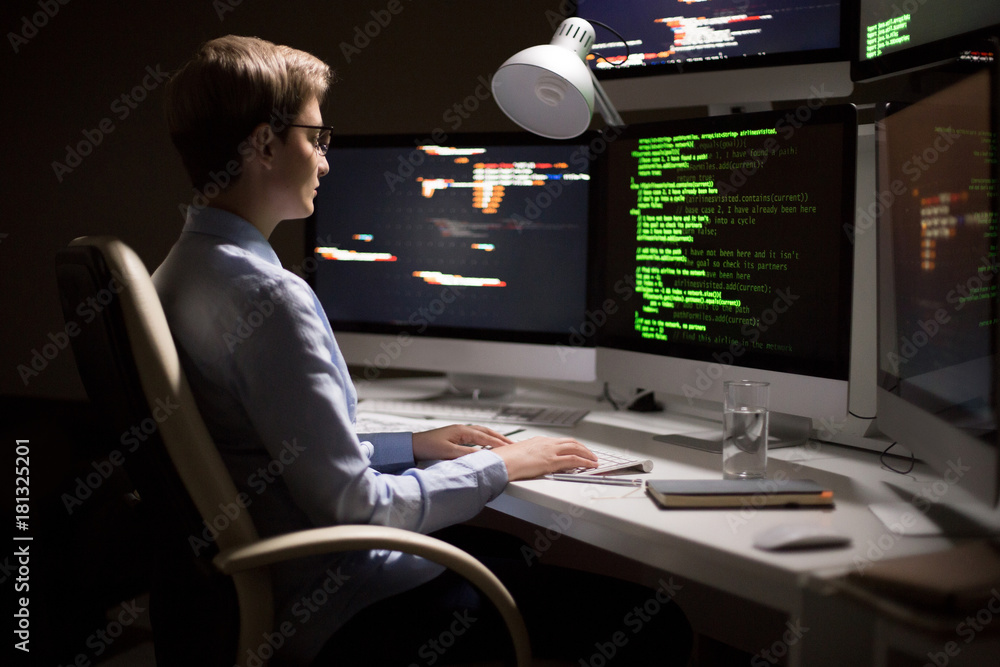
{"type": "Point", "coordinates": [294, 393]}
{"type": "Point", "coordinates": [393, 452]}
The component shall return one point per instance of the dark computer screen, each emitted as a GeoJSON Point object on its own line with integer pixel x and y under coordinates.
{"type": "Point", "coordinates": [712, 34]}
{"type": "Point", "coordinates": [734, 230]}
{"type": "Point", "coordinates": [938, 255]}
{"type": "Point", "coordinates": [475, 236]}
{"type": "Point", "coordinates": [895, 36]}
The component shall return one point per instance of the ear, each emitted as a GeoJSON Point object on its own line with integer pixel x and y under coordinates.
{"type": "Point", "coordinates": [262, 140]}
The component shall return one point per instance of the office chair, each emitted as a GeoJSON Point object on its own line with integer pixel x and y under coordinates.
{"type": "Point", "coordinates": [130, 368]}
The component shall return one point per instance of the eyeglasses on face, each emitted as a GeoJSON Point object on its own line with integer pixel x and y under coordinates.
{"type": "Point", "coordinates": [322, 141]}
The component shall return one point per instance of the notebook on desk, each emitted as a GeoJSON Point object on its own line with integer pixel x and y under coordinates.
{"type": "Point", "coordinates": [729, 493]}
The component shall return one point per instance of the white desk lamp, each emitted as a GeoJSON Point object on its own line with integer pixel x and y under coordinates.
{"type": "Point", "coordinates": [549, 90]}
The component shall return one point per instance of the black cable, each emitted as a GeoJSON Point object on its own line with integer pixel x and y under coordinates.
{"type": "Point", "coordinates": [610, 399]}
{"type": "Point", "coordinates": [881, 459]}
{"type": "Point", "coordinates": [628, 51]}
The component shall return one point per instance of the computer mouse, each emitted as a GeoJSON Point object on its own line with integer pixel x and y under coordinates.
{"type": "Point", "coordinates": [799, 536]}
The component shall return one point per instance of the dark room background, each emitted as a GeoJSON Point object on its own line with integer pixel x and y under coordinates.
{"type": "Point", "coordinates": [86, 149]}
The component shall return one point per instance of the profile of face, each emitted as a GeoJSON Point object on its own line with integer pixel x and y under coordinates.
{"type": "Point", "coordinates": [299, 164]}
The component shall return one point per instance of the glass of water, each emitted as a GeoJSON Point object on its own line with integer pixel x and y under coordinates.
{"type": "Point", "coordinates": [744, 429]}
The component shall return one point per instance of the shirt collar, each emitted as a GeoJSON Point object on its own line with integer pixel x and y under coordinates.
{"type": "Point", "coordinates": [232, 228]}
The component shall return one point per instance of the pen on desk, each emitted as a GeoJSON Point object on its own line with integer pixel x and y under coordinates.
{"type": "Point", "coordinates": [591, 479]}
{"type": "Point", "coordinates": [514, 432]}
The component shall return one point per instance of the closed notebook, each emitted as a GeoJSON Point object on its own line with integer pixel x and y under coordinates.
{"type": "Point", "coordinates": [708, 493]}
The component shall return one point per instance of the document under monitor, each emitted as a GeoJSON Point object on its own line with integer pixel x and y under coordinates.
{"type": "Point", "coordinates": [938, 387]}
{"type": "Point", "coordinates": [465, 254]}
{"type": "Point", "coordinates": [726, 257]}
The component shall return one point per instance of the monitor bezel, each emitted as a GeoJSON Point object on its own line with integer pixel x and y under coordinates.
{"type": "Point", "coordinates": [693, 358]}
{"type": "Point", "coordinates": [914, 427]}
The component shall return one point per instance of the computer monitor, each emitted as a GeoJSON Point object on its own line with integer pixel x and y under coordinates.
{"type": "Point", "coordinates": [465, 254]}
{"type": "Point", "coordinates": [727, 258]}
{"type": "Point", "coordinates": [895, 36]}
{"type": "Point", "coordinates": [720, 53]}
{"type": "Point", "coordinates": [939, 380]}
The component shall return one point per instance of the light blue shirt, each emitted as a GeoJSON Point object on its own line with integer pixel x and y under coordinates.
{"type": "Point", "coordinates": [275, 392]}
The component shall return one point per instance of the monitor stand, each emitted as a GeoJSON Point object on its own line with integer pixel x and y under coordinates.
{"type": "Point", "coordinates": [477, 387]}
{"type": "Point", "coordinates": [783, 430]}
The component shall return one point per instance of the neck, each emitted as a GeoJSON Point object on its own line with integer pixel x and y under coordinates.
{"type": "Point", "coordinates": [249, 205]}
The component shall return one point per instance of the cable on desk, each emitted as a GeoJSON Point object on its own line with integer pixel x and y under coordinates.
{"type": "Point", "coordinates": [606, 394]}
{"type": "Point", "coordinates": [882, 460]}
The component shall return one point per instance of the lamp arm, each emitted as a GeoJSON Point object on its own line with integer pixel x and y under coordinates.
{"type": "Point", "coordinates": [604, 106]}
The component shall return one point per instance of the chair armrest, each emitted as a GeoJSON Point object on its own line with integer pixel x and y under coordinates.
{"type": "Point", "coordinates": [334, 539]}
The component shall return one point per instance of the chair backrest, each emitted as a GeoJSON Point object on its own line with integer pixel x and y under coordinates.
{"type": "Point", "coordinates": [88, 292]}
{"type": "Point", "coordinates": [131, 370]}
{"type": "Point", "coordinates": [134, 340]}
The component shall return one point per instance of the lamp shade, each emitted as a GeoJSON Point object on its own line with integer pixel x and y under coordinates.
{"type": "Point", "coordinates": [548, 89]}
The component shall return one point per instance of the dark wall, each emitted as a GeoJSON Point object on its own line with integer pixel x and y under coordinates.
{"type": "Point", "coordinates": [86, 151]}
{"type": "Point", "coordinates": [64, 77]}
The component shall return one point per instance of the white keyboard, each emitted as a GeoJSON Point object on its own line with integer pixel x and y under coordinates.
{"type": "Point", "coordinates": [486, 413]}
{"type": "Point", "coordinates": [612, 462]}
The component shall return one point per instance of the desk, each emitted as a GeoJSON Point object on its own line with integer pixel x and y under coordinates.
{"type": "Point", "coordinates": [710, 552]}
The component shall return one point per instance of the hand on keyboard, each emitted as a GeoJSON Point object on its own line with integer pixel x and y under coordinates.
{"type": "Point", "coordinates": [540, 455]}
{"type": "Point", "coordinates": [612, 462]}
{"type": "Point", "coordinates": [450, 442]}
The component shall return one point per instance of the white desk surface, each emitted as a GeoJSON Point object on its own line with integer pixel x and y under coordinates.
{"type": "Point", "coordinates": [713, 547]}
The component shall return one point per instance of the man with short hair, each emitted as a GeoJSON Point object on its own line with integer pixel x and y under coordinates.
{"type": "Point", "coordinates": [266, 370]}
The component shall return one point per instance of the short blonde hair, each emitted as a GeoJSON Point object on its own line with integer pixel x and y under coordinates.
{"type": "Point", "coordinates": [230, 86]}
